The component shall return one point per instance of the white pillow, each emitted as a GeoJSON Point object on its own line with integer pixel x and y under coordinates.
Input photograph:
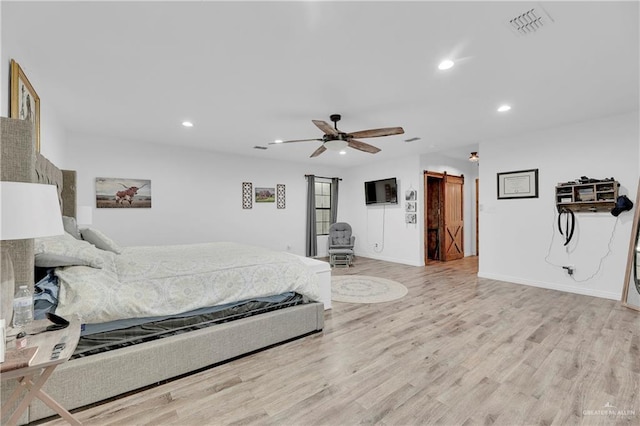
{"type": "Point", "coordinates": [71, 226]}
{"type": "Point", "coordinates": [98, 239]}
{"type": "Point", "coordinates": [65, 250]}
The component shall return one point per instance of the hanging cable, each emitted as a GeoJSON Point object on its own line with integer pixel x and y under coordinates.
{"type": "Point", "coordinates": [613, 234]}
{"type": "Point", "coordinates": [384, 210]}
{"type": "Point", "coordinates": [381, 248]}
{"type": "Point", "coordinates": [553, 236]}
{"type": "Point", "coordinates": [571, 229]}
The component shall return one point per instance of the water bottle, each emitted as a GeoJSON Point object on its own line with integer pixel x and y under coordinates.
{"type": "Point", "coordinates": [22, 307]}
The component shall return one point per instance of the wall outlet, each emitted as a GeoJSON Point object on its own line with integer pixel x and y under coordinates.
{"type": "Point", "coordinates": [376, 245]}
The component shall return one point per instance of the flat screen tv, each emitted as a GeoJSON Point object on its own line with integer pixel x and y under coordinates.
{"type": "Point", "coordinates": [383, 191]}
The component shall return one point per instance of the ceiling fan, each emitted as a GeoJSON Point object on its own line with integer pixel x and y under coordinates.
{"type": "Point", "coordinates": [335, 139]}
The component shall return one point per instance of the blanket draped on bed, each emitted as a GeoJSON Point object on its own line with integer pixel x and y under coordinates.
{"type": "Point", "coordinates": [167, 280]}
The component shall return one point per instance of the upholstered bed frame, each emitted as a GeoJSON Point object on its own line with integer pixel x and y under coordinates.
{"type": "Point", "coordinates": [84, 381]}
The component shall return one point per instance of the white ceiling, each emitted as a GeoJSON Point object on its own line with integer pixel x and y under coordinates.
{"type": "Point", "coordinates": [248, 73]}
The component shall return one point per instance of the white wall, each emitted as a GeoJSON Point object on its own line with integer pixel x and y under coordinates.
{"type": "Point", "coordinates": [384, 224]}
{"type": "Point", "coordinates": [517, 235]}
{"type": "Point", "coordinates": [196, 194]}
{"type": "Point", "coordinates": [52, 134]}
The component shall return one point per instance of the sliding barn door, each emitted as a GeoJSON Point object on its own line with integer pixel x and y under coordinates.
{"type": "Point", "coordinates": [453, 218]}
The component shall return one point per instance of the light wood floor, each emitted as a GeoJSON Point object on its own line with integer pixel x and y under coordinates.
{"type": "Point", "coordinates": [458, 350]}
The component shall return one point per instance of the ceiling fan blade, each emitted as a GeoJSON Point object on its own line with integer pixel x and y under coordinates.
{"type": "Point", "coordinates": [374, 133]}
{"type": "Point", "coordinates": [361, 146]}
{"type": "Point", "coordinates": [318, 151]}
{"type": "Point", "coordinates": [325, 127]}
{"type": "Point", "coordinates": [295, 140]}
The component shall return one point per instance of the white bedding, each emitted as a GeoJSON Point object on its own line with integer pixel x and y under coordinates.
{"type": "Point", "coordinates": [165, 280]}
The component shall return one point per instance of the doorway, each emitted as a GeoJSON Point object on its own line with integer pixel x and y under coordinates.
{"type": "Point", "coordinates": [443, 217]}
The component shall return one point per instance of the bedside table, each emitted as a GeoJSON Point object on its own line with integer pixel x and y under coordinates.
{"type": "Point", "coordinates": [32, 378]}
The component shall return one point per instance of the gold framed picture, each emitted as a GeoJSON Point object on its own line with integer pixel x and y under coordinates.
{"type": "Point", "coordinates": [25, 102]}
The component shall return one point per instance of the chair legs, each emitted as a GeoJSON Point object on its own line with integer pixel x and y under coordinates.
{"type": "Point", "coordinates": [341, 259]}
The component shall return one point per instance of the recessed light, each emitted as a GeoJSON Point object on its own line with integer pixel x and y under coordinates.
{"type": "Point", "coordinates": [446, 64]}
{"type": "Point", "coordinates": [504, 108]}
{"type": "Point", "coordinates": [187, 124]}
{"type": "Point", "coordinates": [343, 152]}
{"type": "Point", "coordinates": [278, 141]}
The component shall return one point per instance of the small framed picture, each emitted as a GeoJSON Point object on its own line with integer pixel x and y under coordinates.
{"type": "Point", "coordinates": [410, 218]}
{"type": "Point", "coordinates": [411, 195]}
{"type": "Point", "coordinates": [520, 184]}
{"type": "Point", "coordinates": [411, 206]}
{"type": "Point", "coordinates": [265, 195]}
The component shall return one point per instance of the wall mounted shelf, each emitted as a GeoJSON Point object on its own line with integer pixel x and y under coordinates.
{"type": "Point", "coordinates": [587, 197]}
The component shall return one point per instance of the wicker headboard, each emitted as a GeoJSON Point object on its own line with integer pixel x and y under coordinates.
{"type": "Point", "coordinates": [20, 163]}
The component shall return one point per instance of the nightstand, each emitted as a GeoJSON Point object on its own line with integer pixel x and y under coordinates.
{"type": "Point", "coordinates": [32, 378]}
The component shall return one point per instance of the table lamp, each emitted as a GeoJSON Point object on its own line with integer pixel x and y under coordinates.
{"type": "Point", "coordinates": [27, 210]}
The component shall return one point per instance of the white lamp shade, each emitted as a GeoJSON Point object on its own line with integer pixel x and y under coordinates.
{"type": "Point", "coordinates": [29, 210]}
{"type": "Point", "coordinates": [84, 215]}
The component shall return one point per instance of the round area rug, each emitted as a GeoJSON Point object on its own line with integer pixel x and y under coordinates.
{"type": "Point", "coordinates": [364, 289]}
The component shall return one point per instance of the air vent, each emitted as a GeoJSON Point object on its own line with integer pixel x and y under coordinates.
{"type": "Point", "coordinates": [412, 139]}
{"type": "Point", "coordinates": [259, 147]}
{"type": "Point", "coordinates": [531, 21]}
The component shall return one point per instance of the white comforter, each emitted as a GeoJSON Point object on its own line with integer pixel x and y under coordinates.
{"type": "Point", "coordinates": [165, 280]}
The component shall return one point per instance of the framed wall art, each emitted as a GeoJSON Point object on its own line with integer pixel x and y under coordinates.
{"type": "Point", "coordinates": [280, 194]}
{"type": "Point", "coordinates": [247, 195]}
{"type": "Point", "coordinates": [410, 218]}
{"type": "Point", "coordinates": [25, 102]}
{"type": "Point", "coordinates": [520, 184]}
{"type": "Point", "coordinates": [123, 193]}
{"type": "Point", "coordinates": [265, 195]}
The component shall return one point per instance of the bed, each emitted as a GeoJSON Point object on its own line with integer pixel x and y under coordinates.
{"type": "Point", "coordinates": [133, 285]}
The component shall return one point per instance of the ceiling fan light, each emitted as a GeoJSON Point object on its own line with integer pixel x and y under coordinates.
{"type": "Point", "coordinates": [474, 157]}
{"type": "Point", "coordinates": [335, 145]}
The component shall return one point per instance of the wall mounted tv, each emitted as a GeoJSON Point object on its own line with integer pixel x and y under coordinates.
{"type": "Point", "coordinates": [383, 191]}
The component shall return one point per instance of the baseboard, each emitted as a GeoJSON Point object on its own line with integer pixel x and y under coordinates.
{"type": "Point", "coordinates": [378, 256]}
{"type": "Point", "coordinates": [551, 286]}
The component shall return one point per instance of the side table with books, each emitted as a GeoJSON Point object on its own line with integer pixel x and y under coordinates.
{"type": "Point", "coordinates": [32, 366]}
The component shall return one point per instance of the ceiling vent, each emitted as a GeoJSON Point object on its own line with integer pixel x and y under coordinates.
{"type": "Point", "coordinates": [531, 21]}
{"type": "Point", "coordinates": [259, 147]}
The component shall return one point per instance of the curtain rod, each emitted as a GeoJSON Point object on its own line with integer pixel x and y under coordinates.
{"type": "Point", "coordinates": [322, 177]}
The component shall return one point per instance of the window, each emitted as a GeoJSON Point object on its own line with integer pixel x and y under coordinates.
{"type": "Point", "coordinates": [323, 207]}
